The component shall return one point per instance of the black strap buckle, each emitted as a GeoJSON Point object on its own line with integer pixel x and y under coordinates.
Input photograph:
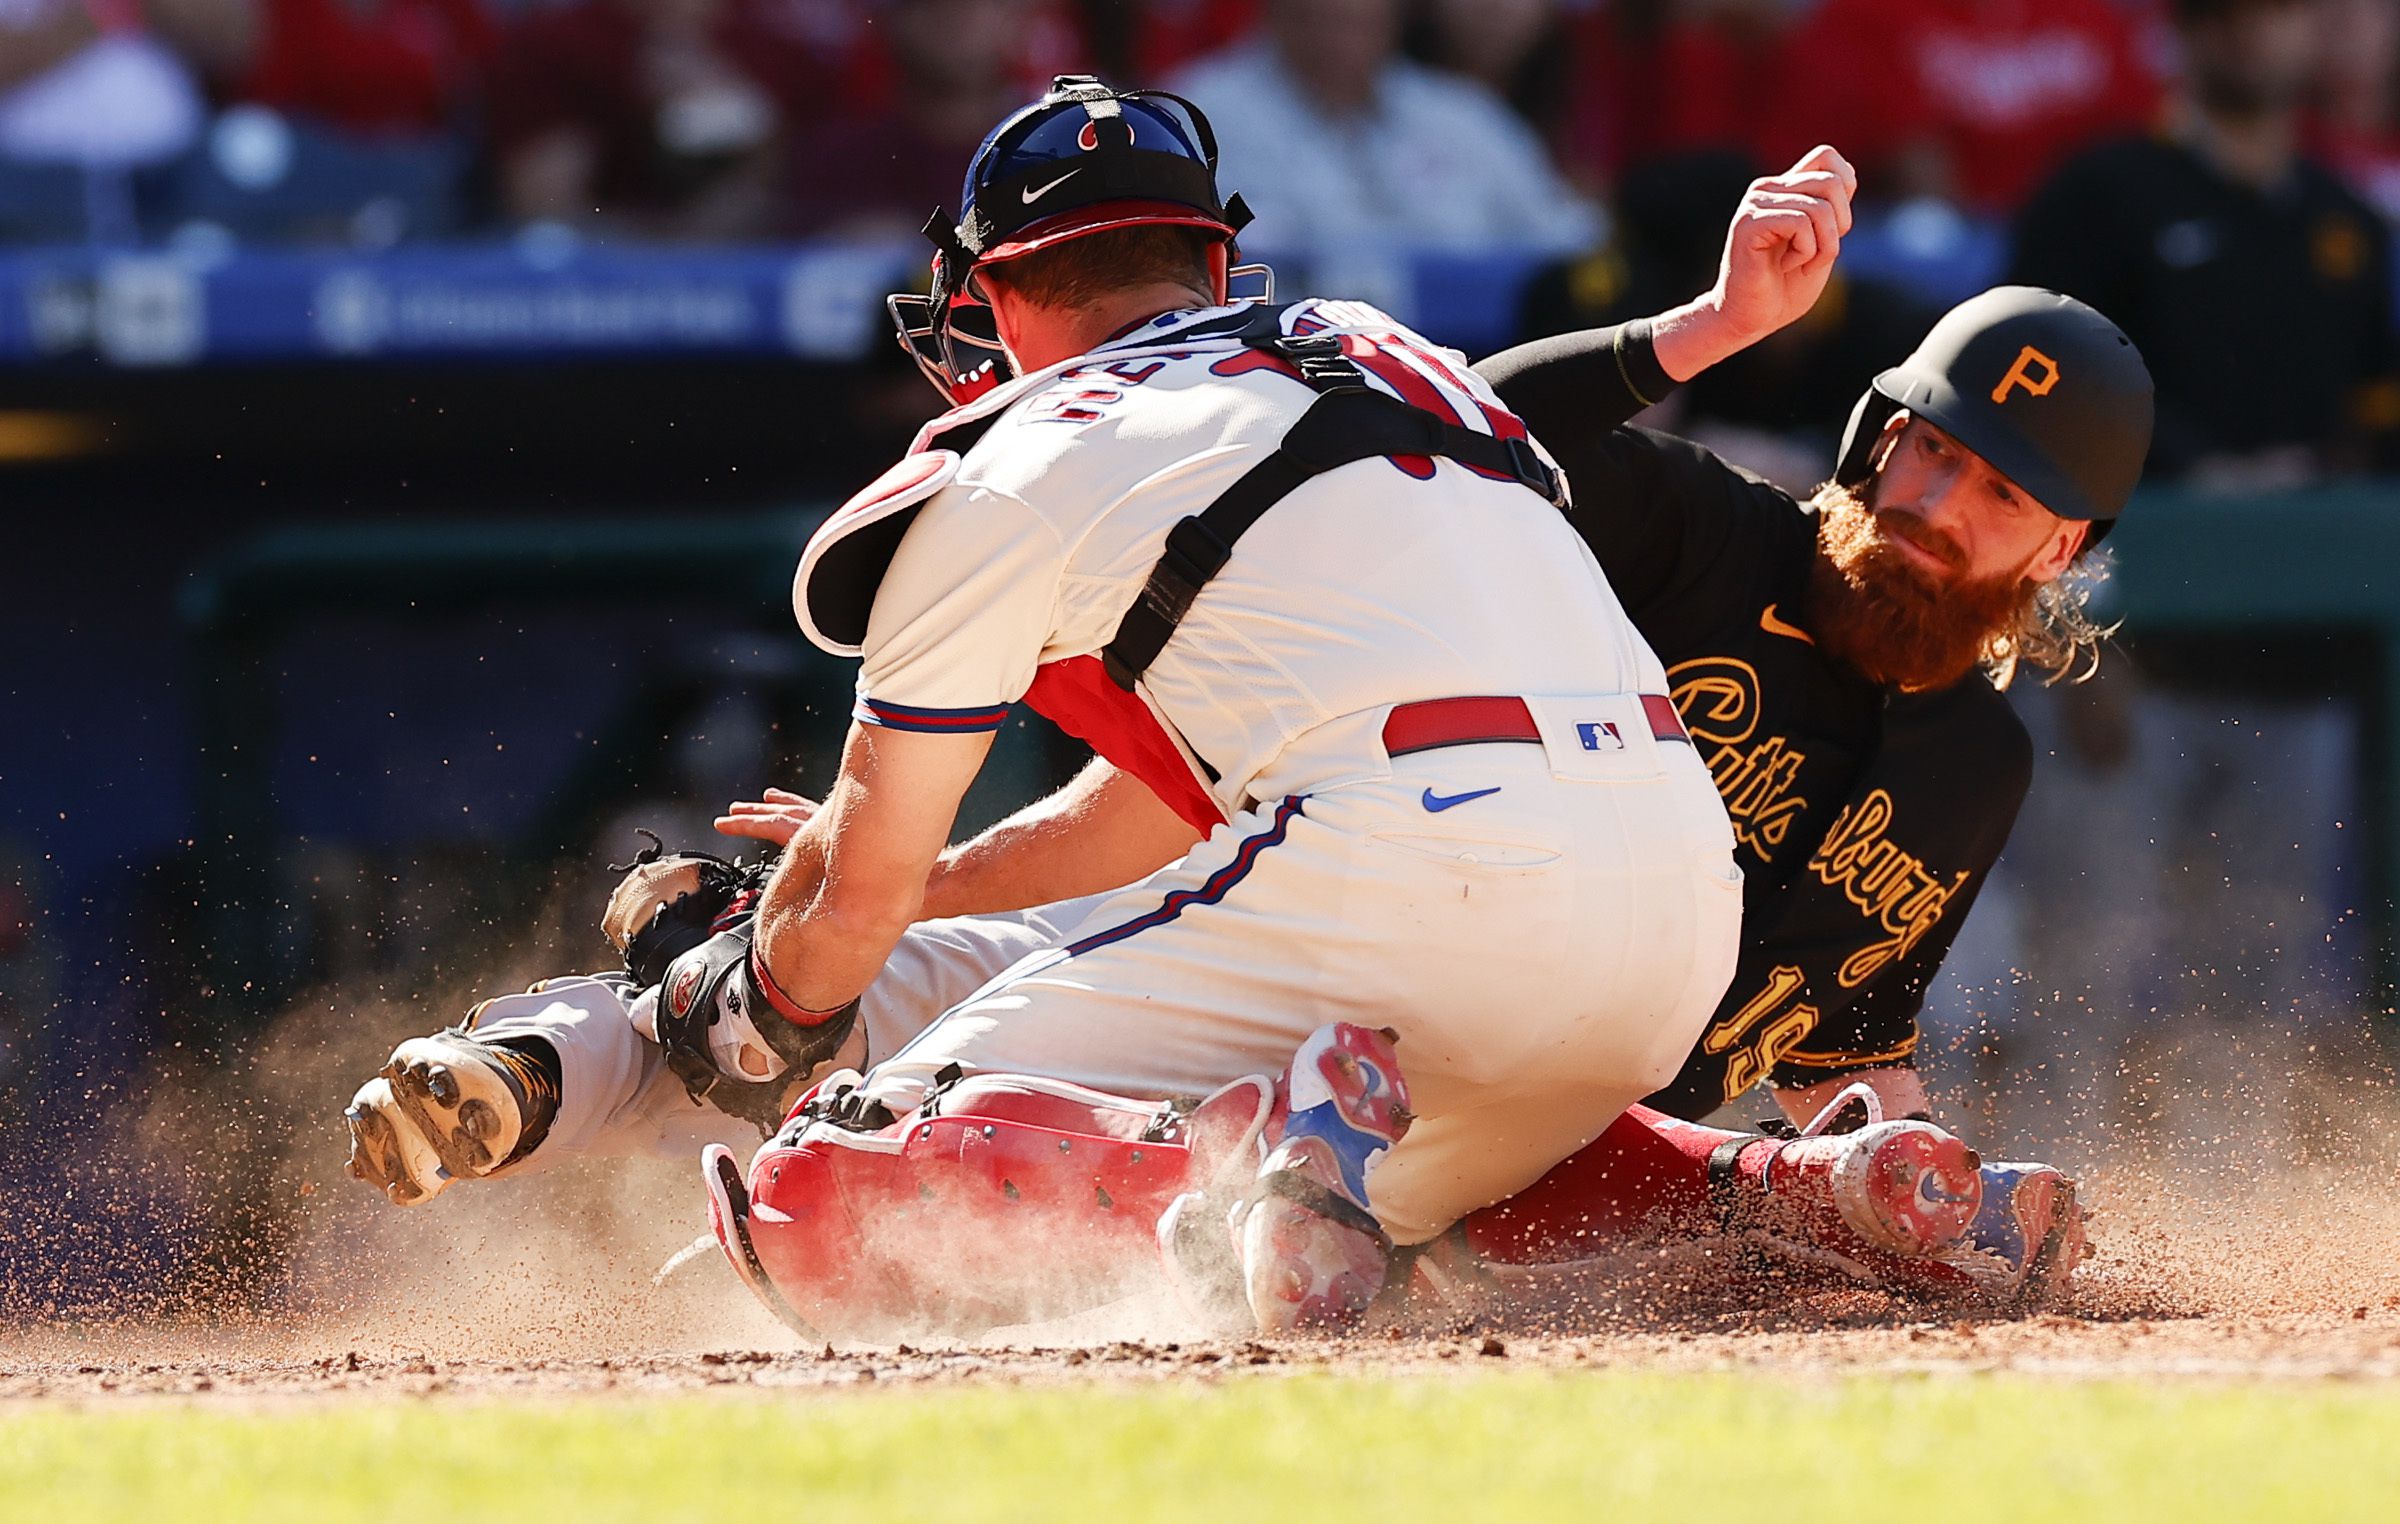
{"type": "Point", "coordinates": [1194, 553]}
{"type": "Point", "coordinates": [1536, 472]}
{"type": "Point", "coordinates": [1321, 361]}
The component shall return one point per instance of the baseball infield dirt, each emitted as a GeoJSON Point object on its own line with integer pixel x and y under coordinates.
{"type": "Point", "coordinates": [2295, 1279]}
{"type": "Point", "coordinates": [2247, 1228]}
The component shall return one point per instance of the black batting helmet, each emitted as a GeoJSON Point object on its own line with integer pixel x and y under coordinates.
{"type": "Point", "coordinates": [2044, 388]}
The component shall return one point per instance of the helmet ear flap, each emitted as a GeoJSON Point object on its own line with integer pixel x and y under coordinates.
{"type": "Point", "coordinates": [962, 365]}
{"type": "Point", "coordinates": [1856, 462]}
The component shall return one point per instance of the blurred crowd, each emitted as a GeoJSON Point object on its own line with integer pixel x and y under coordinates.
{"type": "Point", "coordinates": [2215, 174]}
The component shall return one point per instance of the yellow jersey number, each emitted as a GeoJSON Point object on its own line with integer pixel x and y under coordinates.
{"type": "Point", "coordinates": [1769, 1024]}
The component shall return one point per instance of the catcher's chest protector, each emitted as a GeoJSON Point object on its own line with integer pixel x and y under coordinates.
{"type": "Point", "coordinates": [1363, 382]}
{"type": "Point", "coordinates": [1350, 421]}
{"type": "Point", "coordinates": [1005, 1199]}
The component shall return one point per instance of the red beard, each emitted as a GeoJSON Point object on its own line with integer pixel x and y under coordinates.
{"type": "Point", "coordinates": [1871, 606]}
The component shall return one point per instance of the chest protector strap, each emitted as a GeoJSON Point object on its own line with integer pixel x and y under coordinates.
{"type": "Point", "coordinates": [1349, 421]}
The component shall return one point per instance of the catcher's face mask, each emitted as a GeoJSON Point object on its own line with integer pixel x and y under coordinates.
{"type": "Point", "coordinates": [1083, 159]}
{"type": "Point", "coordinates": [957, 347]}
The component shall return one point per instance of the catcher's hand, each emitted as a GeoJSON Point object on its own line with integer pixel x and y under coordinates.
{"type": "Point", "coordinates": [670, 902]}
{"type": "Point", "coordinates": [776, 818]}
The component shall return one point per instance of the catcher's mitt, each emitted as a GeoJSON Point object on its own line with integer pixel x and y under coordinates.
{"type": "Point", "coordinates": [670, 902]}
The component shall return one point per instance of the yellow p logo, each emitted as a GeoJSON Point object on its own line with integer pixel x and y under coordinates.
{"type": "Point", "coordinates": [2037, 383]}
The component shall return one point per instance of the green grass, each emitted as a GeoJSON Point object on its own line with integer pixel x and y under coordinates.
{"type": "Point", "coordinates": [1645, 1449]}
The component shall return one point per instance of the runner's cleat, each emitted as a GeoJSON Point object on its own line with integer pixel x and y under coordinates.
{"type": "Point", "coordinates": [2028, 1238]}
{"type": "Point", "coordinates": [387, 1151]}
{"type": "Point", "coordinates": [444, 1108]}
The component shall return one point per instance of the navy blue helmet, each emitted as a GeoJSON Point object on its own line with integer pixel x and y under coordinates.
{"type": "Point", "coordinates": [1082, 159]}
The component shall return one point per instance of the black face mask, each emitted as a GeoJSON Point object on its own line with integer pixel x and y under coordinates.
{"type": "Point", "coordinates": [958, 348]}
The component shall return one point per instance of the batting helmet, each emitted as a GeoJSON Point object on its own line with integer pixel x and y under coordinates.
{"type": "Point", "coordinates": [1082, 159]}
{"type": "Point", "coordinates": [2050, 393]}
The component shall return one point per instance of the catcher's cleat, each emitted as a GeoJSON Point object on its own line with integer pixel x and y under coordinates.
{"type": "Point", "coordinates": [1195, 1245]}
{"type": "Point", "coordinates": [1195, 1238]}
{"type": "Point", "coordinates": [1311, 1258]}
{"type": "Point", "coordinates": [447, 1107]}
{"type": "Point", "coordinates": [1907, 1188]}
{"type": "Point", "coordinates": [1311, 1255]}
{"type": "Point", "coordinates": [2019, 1253]}
{"type": "Point", "coordinates": [1853, 1199]}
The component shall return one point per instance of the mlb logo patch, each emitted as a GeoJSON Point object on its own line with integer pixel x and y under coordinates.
{"type": "Point", "coordinates": [1599, 735]}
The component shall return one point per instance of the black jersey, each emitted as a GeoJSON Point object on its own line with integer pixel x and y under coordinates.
{"type": "Point", "coordinates": [1866, 819]}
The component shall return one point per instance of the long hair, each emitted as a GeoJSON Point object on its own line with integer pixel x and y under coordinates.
{"type": "Point", "coordinates": [2053, 629]}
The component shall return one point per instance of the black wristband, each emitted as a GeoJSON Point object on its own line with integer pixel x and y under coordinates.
{"type": "Point", "coordinates": [1637, 363]}
{"type": "Point", "coordinates": [801, 1038]}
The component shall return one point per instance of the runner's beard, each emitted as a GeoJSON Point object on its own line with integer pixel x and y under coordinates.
{"type": "Point", "coordinates": [1871, 606]}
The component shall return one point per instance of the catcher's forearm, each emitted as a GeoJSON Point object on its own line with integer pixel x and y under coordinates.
{"type": "Point", "coordinates": [1103, 830]}
{"type": "Point", "coordinates": [852, 880]}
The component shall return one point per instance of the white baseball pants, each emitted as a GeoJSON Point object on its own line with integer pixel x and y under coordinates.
{"type": "Point", "coordinates": [1548, 949]}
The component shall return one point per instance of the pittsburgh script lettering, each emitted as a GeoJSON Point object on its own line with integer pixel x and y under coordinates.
{"type": "Point", "coordinates": [1718, 698]}
{"type": "Point", "coordinates": [1890, 886]}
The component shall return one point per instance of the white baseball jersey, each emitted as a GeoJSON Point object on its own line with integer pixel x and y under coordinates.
{"type": "Point", "coordinates": [967, 584]}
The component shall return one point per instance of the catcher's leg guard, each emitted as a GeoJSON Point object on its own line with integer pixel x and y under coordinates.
{"type": "Point", "coordinates": [729, 1219]}
{"type": "Point", "coordinates": [1864, 1201]}
{"type": "Point", "coordinates": [1003, 1199]}
{"type": "Point", "coordinates": [2019, 1252]}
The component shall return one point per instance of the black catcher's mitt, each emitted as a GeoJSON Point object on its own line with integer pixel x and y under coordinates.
{"type": "Point", "coordinates": [670, 902]}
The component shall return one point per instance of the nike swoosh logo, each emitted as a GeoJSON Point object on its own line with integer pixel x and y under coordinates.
{"type": "Point", "coordinates": [1774, 626]}
{"type": "Point", "coordinates": [1932, 1194]}
{"type": "Point", "coordinates": [1035, 193]}
{"type": "Point", "coordinates": [1436, 803]}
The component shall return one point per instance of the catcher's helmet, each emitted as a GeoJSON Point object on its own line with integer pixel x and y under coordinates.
{"type": "Point", "coordinates": [1082, 159]}
{"type": "Point", "coordinates": [2044, 388]}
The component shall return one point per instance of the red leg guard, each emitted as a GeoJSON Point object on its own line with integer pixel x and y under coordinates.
{"type": "Point", "coordinates": [1893, 1192]}
{"type": "Point", "coordinates": [1004, 1200]}
{"type": "Point", "coordinates": [1645, 1178]}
